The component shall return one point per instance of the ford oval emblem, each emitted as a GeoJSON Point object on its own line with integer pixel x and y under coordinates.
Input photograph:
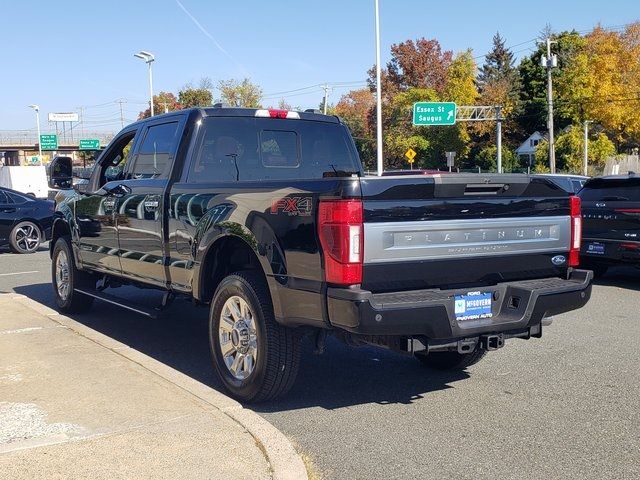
{"type": "Point", "coordinates": [559, 260]}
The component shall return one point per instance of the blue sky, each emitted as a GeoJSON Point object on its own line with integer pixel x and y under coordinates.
{"type": "Point", "coordinates": [71, 53]}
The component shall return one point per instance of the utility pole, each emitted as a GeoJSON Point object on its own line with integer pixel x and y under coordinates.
{"type": "Point", "coordinates": [326, 89]}
{"type": "Point", "coordinates": [550, 61]}
{"type": "Point", "coordinates": [585, 160]}
{"type": "Point", "coordinates": [166, 108]}
{"type": "Point", "coordinates": [499, 137]}
{"type": "Point", "coordinates": [121, 101]}
{"type": "Point", "coordinates": [378, 93]}
{"type": "Point", "coordinates": [81, 108]}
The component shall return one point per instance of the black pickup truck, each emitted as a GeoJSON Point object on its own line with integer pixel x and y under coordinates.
{"type": "Point", "coordinates": [611, 217]}
{"type": "Point", "coordinates": [266, 216]}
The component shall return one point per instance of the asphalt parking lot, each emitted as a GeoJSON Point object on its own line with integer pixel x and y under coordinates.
{"type": "Point", "coordinates": [564, 406]}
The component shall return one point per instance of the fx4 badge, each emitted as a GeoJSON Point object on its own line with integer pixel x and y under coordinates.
{"type": "Point", "coordinates": [292, 206]}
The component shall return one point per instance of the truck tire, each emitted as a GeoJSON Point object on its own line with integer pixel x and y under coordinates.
{"type": "Point", "coordinates": [255, 357]}
{"type": "Point", "coordinates": [65, 278]}
{"type": "Point", "coordinates": [25, 237]}
{"type": "Point", "coordinates": [451, 360]}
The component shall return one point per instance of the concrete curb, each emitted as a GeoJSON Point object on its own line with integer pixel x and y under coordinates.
{"type": "Point", "coordinates": [285, 462]}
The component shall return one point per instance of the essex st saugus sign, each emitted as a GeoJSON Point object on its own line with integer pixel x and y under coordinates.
{"type": "Point", "coordinates": [434, 113]}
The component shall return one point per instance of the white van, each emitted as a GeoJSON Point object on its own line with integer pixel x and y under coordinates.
{"type": "Point", "coordinates": [31, 179]}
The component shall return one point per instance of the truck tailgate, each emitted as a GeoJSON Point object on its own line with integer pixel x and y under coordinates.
{"type": "Point", "coordinates": [462, 230]}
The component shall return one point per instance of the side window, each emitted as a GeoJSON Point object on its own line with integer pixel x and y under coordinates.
{"type": "Point", "coordinates": [4, 198]}
{"type": "Point", "coordinates": [227, 151]}
{"type": "Point", "coordinates": [112, 166]}
{"type": "Point", "coordinates": [156, 152]}
{"type": "Point", "coordinates": [14, 198]}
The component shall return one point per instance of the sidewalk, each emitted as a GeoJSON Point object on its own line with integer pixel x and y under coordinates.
{"type": "Point", "coordinates": [77, 404]}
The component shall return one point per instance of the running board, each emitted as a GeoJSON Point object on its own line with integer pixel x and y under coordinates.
{"type": "Point", "coordinates": [112, 299]}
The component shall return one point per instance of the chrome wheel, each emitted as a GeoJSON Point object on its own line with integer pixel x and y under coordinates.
{"type": "Point", "coordinates": [63, 283]}
{"type": "Point", "coordinates": [237, 337]}
{"type": "Point", "coordinates": [27, 237]}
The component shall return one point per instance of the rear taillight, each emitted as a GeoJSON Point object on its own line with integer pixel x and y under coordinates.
{"type": "Point", "coordinates": [341, 237]}
{"type": "Point", "coordinates": [576, 231]}
{"type": "Point", "coordinates": [627, 210]}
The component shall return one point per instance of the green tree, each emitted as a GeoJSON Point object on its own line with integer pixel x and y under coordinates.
{"type": "Point", "coordinates": [499, 84]}
{"type": "Point", "coordinates": [200, 96]}
{"type": "Point", "coordinates": [240, 93]}
{"type": "Point", "coordinates": [162, 102]}
{"type": "Point", "coordinates": [414, 64]}
{"type": "Point", "coordinates": [354, 108]}
{"type": "Point", "coordinates": [460, 84]}
{"type": "Point", "coordinates": [568, 82]}
{"type": "Point", "coordinates": [541, 158]}
{"type": "Point", "coordinates": [498, 65]}
{"type": "Point", "coordinates": [487, 160]}
{"type": "Point", "coordinates": [570, 148]}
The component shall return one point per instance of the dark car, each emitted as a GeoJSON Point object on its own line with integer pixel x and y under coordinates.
{"type": "Point", "coordinates": [611, 213]}
{"type": "Point", "coordinates": [569, 183]}
{"type": "Point", "coordinates": [25, 221]}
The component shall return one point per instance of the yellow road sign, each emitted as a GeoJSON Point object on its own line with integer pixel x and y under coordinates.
{"type": "Point", "coordinates": [410, 154]}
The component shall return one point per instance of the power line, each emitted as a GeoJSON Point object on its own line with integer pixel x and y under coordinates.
{"type": "Point", "coordinates": [611, 28]}
{"type": "Point", "coordinates": [317, 86]}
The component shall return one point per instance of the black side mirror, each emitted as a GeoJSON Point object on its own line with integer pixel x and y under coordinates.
{"type": "Point", "coordinates": [61, 173]}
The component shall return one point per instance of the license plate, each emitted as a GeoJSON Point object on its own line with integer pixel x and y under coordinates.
{"type": "Point", "coordinates": [473, 306]}
{"type": "Point", "coordinates": [595, 248]}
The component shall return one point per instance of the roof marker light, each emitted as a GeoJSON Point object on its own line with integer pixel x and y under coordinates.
{"type": "Point", "coordinates": [274, 113]}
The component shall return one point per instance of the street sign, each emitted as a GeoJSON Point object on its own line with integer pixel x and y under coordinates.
{"type": "Point", "coordinates": [63, 117]}
{"type": "Point", "coordinates": [49, 142]}
{"type": "Point", "coordinates": [434, 113]}
{"type": "Point", "coordinates": [89, 144]}
{"type": "Point", "coordinates": [450, 159]}
{"type": "Point", "coordinates": [411, 155]}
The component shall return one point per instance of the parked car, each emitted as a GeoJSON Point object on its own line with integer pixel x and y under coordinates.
{"type": "Point", "coordinates": [569, 183]}
{"type": "Point", "coordinates": [25, 221]}
{"type": "Point", "coordinates": [611, 222]}
{"type": "Point", "coordinates": [267, 217]}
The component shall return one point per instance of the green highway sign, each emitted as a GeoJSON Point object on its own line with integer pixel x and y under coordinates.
{"type": "Point", "coordinates": [49, 142]}
{"type": "Point", "coordinates": [90, 144]}
{"type": "Point", "coordinates": [434, 113]}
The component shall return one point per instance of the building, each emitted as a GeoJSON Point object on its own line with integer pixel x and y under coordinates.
{"type": "Point", "coordinates": [527, 150]}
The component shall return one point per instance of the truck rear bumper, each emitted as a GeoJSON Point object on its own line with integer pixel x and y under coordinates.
{"type": "Point", "coordinates": [430, 313]}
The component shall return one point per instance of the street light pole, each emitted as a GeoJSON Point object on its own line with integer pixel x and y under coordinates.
{"type": "Point", "coordinates": [585, 160]}
{"type": "Point", "coordinates": [499, 137]}
{"type": "Point", "coordinates": [148, 58]}
{"type": "Point", "coordinates": [37, 110]}
{"type": "Point", "coordinates": [378, 94]}
{"type": "Point", "coordinates": [550, 61]}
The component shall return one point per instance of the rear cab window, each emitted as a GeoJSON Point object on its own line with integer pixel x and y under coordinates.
{"type": "Point", "coordinates": [231, 149]}
{"type": "Point", "coordinates": [612, 190]}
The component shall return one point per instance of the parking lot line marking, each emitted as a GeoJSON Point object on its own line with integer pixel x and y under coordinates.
{"type": "Point", "coordinates": [18, 273]}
